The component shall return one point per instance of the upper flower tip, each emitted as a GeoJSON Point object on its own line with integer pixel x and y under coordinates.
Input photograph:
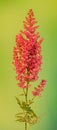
{"type": "Point", "coordinates": [30, 12]}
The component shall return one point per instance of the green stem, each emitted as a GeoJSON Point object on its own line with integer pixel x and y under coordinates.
{"type": "Point", "coordinates": [25, 125]}
{"type": "Point", "coordinates": [26, 95]}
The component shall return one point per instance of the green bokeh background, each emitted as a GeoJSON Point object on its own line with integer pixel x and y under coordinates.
{"type": "Point", "coordinates": [12, 14]}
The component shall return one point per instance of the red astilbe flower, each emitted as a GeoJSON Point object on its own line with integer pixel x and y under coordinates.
{"type": "Point", "coordinates": [37, 91]}
{"type": "Point", "coordinates": [27, 57]}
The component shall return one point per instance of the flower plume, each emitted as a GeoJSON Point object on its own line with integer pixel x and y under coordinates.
{"type": "Point", "coordinates": [27, 57]}
{"type": "Point", "coordinates": [27, 60]}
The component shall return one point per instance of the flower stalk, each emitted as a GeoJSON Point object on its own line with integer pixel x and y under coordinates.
{"type": "Point", "coordinates": [27, 60]}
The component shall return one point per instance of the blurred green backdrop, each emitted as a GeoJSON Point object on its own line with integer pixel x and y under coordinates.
{"type": "Point", "coordinates": [12, 14]}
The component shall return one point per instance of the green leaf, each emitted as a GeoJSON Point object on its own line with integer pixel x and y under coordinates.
{"type": "Point", "coordinates": [28, 109]}
{"type": "Point", "coordinates": [19, 113]}
{"type": "Point", "coordinates": [21, 119]}
{"type": "Point", "coordinates": [21, 94]}
{"type": "Point", "coordinates": [18, 101]}
{"type": "Point", "coordinates": [25, 107]}
{"type": "Point", "coordinates": [33, 121]}
{"type": "Point", "coordinates": [30, 102]}
{"type": "Point", "coordinates": [28, 115]}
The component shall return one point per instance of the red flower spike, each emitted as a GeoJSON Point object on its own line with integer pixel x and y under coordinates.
{"type": "Point", "coordinates": [27, 57]}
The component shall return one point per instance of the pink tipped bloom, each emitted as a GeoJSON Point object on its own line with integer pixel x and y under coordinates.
{"type": "Point", "coordinates": [37, 91]}
{"type": "Point", "coordinates": [27, 57]}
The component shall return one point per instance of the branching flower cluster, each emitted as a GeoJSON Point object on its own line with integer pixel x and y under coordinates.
{"type": "Point", "coordinates": [27, 60]}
